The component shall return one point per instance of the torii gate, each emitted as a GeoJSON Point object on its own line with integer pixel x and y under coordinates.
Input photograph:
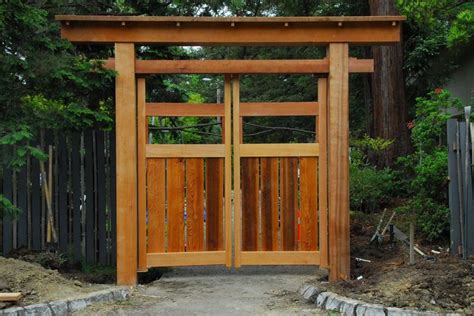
{"type": "Point", "coordinates": [321, 168]}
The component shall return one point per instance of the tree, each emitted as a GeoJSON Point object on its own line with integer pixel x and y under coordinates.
{"type": "Point", "coordinates": [390, 111]}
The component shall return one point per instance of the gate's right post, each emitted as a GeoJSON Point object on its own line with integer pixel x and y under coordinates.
{"type": "Point", "coordinates": [338, 180]}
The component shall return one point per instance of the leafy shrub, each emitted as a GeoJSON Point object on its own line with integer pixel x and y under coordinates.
{"type": "Point", "coordinates": [427, 167]}
{"type": "Point", "coordinates": [370, 188]}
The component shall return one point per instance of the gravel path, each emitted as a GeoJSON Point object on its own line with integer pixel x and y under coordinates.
{"type": "Point", "coordinates": [217, 291]}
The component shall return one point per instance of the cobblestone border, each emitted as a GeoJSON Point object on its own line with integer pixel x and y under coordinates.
{"type": "Point", "coordinates": [65, 307]}
{"type": "Point", "coordinates": [350, 307]}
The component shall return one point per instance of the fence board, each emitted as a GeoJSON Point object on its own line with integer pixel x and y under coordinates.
{"type": "Point", "coordinates": [101, 195]}
{"type": "Point", "coordinates": [309, 203]}
{"type": "Point", "coordinates": [62, 194]}
{"type": "Point", "coordinates": [454, 202]}
{"type": "Point", "coordinates": [214, 203]}
{"type": "Point", "coordinates": [35, 205]}
{"type": "Point", "coordinates": [269, 187]}
{"type": "Point", "coordinates": [195, 204]}
{"type": "Point", "coordinates": [22, 232]}
{"type": "Point", "coordinates": [288, 201]}
{"type": "Point", "coordinates": [466, 172]}
{"type": "Point", "coordinates": [175, 198]}
{"type": "Point", "coordinates": [250, 178]}
{"type": "Point", "coordinates": [89, 196]}
{"type": "Point", "coordinates": [7, 230]}
{"type": "Point", "coordinates": [156, 199]}
{"type": "Point", "coordinates": [77, 198]}
{"type": "Point", "coordinates": [113, 201]}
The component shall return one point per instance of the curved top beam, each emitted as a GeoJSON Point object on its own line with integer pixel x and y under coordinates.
{"type": "Point", "coordinates": [239, 31]}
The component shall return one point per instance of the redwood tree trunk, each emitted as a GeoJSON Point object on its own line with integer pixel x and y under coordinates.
{"type": "Point", "coordinates": [390, 112]}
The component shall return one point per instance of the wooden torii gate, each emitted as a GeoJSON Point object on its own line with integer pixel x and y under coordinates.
{"type": "Point", "coordinates": [336, 33]}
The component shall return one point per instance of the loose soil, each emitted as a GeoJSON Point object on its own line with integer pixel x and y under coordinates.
{"type": "Point", "coordinates": [38, 284]}
{"type": "Point", "coordinates": [437, 283]}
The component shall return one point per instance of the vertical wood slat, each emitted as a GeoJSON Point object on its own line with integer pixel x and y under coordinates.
{"type": "Point", "coordinates": [101, 195]}
{"type": "Point", "coordinates": [454, 202]}
{"type": "Point", "coordinates": [22, 232]}
{"type": "Point", "coordinates": [126, 158]}
{"type": "Point", "coordinates": [195, 204]}
{"type": "Point", "coordinates": [62, 194]}
{"type": "Point", "coordinates": [237, 192]}
{"type": "Point", "coordinates": [175, 198]}
{"type": "Point", "coordinates": [249, 167]}
{"type": "Point", "coordinates": [7, 230]}
{"type": "Point", "coordinates": [227, 137]}
{"type": "Point", "coordinates": [76, 189]}
{"type": "Point", "coordinates": [323, 172]}
{"type": "Point", "coordinates": [309, 203]}
{"type": "Point", "coordinates": [288, 202]}
{"type": "Point", "coordinates": [214, 203]}
{"type": "Point", "coordinates": [269, 189]}
{"type": "Point", "coordinates": [141, 170]}
{"type": "Point", "coordinates": [338, 162]}
{"type": "Point", "coordinates": [89, 196]}
{"type": "Point", "coordinates": [35, 205]}
{"type": "Point", "coordinates": [113, 201]}
{"type": "Point", "coordinates": [156, 199]}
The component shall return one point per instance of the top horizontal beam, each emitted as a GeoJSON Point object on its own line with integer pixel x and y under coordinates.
{"type": "Point", "coordinates": [241, 31]}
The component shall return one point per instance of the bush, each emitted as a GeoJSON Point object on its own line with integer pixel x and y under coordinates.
{"type": "Point", "coordinates": [427, 168]}
{"type": "Point", "coordinates": [370, 188]}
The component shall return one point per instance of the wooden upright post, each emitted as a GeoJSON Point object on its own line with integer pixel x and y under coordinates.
{"type": "Point", "coordinates": [338, 176]}
{"type": "Point", "coordinates": [126, 149]}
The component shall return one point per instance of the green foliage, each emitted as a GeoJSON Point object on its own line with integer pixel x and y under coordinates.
{"type": "Point", "coordinates": [370, 188]}
{"type": "Point", "coordinates": [427, 167]}
{"type": "Point", "coordinates": [462, 29]}
{"type": "Point", "coordinates": [437, 32]}
{"type": "Point", "coordinates": [7, 207]}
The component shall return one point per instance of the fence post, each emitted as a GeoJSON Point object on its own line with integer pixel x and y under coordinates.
{"type": "Point", "coordinates": [339, 252]}
{"type": "Point", "coordinates": [126, 147]}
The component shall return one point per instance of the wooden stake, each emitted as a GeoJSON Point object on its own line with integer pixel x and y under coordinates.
{"type": "Point", "coordinates": [412, 243]}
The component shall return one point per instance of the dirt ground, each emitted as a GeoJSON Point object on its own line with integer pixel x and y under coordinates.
{"type": "Point", "coordinates": [38, 284]}
{"type": "Point", "coordinates": [437, 283]}
{"type": "Point", "coordinates": [217, 291]}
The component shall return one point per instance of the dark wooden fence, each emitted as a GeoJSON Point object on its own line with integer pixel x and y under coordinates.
{"type": "Point", "coordinates": [82, 199]}
{"type": "Point", "coordinates": [460, 167]}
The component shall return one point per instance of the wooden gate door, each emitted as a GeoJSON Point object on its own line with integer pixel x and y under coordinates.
{"type": "Point", "coordinates": [281, 209]}
{"type": "Point", "coordinates": [184, 190]}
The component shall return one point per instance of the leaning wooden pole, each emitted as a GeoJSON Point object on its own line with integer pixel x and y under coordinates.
{"type": "Point", "coordinates": [338, 175]}
{"type": "Point", "coordinates": [126, 155]}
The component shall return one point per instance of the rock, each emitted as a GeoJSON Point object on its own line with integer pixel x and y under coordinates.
{"type": "Point", "coordinates": [58, 307]}
{"type": "Point", "coordinates": [76, 305]}
{"type": "Point", "coordinates": [392, 311]}
{"type": "Point", "coordinates": [311, 294]}
{"type": "Point", "coordinates": [348, 306]}
{"type": "Point", "coordinates": [99, 296]}
{"type": "Point", "coordinates": [304, 288]}
{"type": "Point", "coordinates": [333, 302]}
{"type": "Point", "coordinates": [321, 299]}
{"type": "Point", "coordinates": [370, 310]}
{"type": "Point", "coordinates": [38, 309]}
{"type": "Point", "coordinates": [14, 311]}
{"type": "Point", "coordinates": [121, 294]}
{"type": "Point", "coordinates": [78, 283]}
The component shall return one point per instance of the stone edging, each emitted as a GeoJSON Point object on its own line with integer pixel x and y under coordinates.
{"type": "Point", "coordinates": [351, 307]}
{"type": "Point", "coordinates": [65, 307]}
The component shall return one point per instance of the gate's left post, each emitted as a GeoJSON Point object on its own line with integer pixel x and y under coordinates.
{"type": "Point", "coordinates": [126, 163]}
